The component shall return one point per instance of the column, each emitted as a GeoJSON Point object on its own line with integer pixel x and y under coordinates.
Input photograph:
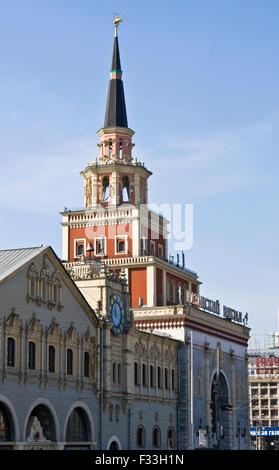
{"type": "Point", "coordinates": [164, 286]}
{"type": "Point", "coordinates": [207, 390]}
{"type": "Point", "coordinates": [151, 285]}
{"type": "Point", "coordinates": [233, 444]}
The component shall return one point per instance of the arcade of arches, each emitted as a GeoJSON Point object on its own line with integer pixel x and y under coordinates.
{"type": "Point", "coordinates": [41, 429]}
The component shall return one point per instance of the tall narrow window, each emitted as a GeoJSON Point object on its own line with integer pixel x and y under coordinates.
{"type": "Point", "coordinates": [44, 289]}
{"type": "Point", "coordinates": [125, 189]}
{"type": "Point", "coordinates": [32, 355]}
{"type": "Point", "coordinates": [156, 437]}
{"type": "Point", "coordinates": [140, 437]}
{"type": "Point", "coordinates": [159, 377]}
{"type": "Point", "coordinates": [54, 293]}
{"type": "Point", "coordinates": [119, 373]}
{"type": "Point", "coordinates": [86, 364]}
{"type": "Point", "coordinates": [151, 376]}
{"type": "Point", "coordinates": [172, 379]}
{"type": "Point", "coordinates": [69, 362]}
{"type": "Point", "coordinates": [144, 375]}
{"type": "Point", "coordinates": [120, 149]}
{"type": "Point", "coordinates": [136, 373]}
{"type": "Point", "coordinates": [110, 149]}
{"type": "Point", "coordinates": [32, 286]}
{"type": "Point", "coordinates": [11, 352]}
{"type": "Point", "coordinates": [51, 359]}
{"type": "Point", "coordinates": [114, 372]}
{"type": "Point", "coordinates": [166, 378]}
{"type": "Point", "coordinates": [105, 189]}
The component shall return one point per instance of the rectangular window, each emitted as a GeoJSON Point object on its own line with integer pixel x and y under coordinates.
{"type": "Point", "coordinates": [151, 376]}
{"type": "Point", "coordinates": [152, 248]}
{"type": "Point", "coordinates": [51, 359]}
{"type": "Point", "coordinates": [121, 245]}
{"type": "Point", "coordinates": [79, 247]}
{"type": "Point", "coordinates": [136, 380]}
{"type": "Point", "coordinates": [159, 377]}
{"type": "Point", "coordinates": [11, 352]}
{"type": "Point", "coordinates": [144, 375]}
{"type": "Point", "coordinates": [31, 355]}
{"type": "Point", "coordinates": [166, 378]}
{"type": "Point", "coordinates": [100, 246]}
{"type": "Point", "coordinates": [86, 364]}
{"type": "Point", "coordinates": [69, 362]}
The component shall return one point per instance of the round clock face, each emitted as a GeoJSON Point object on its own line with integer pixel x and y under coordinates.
{"type": "Point", "coordinates": [116, 310]}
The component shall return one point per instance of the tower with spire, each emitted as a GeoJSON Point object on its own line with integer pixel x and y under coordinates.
{"type": "Point", "coordinates": [116, 225]}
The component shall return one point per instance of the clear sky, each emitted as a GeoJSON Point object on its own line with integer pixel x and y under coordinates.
{"type": "Point", "coordinates": [201, 85]}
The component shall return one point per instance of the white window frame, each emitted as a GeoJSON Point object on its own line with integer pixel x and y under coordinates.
{"type": "Point", "coordinates": [105, 246]}
{"type": "Point", "coordinates": [78, 240]}
{"type": "Point", "coordinates": [122, 237]}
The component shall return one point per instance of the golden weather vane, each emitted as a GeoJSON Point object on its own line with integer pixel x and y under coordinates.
{"type": "Point", "coordinates": [116, 23]}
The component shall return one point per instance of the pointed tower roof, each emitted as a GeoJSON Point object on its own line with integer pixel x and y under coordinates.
{"type": "Point", "coordinates": [116, 108]}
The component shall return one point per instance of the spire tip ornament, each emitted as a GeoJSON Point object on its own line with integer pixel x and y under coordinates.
{"type": "Point", "coordinates": [116, 23]}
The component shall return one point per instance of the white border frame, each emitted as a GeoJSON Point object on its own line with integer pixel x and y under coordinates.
{"type": "Point", "coordinates": [75, 245]}
{"type": "Point", "coordinates": [125, 252]}
{"type": "Point", "coordinates": [104, 253]}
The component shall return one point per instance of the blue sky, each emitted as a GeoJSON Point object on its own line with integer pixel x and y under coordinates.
{"type": "Point", "coordinates": [201, 86]}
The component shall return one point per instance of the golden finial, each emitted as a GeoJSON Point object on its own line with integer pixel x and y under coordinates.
{"type": "Point", "coordinates": [116, 23]}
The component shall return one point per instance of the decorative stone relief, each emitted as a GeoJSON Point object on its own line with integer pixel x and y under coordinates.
{"type": "Point", "coordinates": [36, 431]}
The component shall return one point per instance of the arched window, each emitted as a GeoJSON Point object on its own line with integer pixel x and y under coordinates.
{"type": "Point", "coordinates": [86, 364]}
{"type": "Point", "coordinates": [125, 189]}
{"type": "Point", "coordinates": [156, 437]}
{"type": "Point", "coordinates": [141, 439]}
{"type": "Point", "coordinates": [105, 188]}
{"type": "Point", "coordinates": [171, 438]}
{"type": "Point", "coordinates": [114, 446]}
{"type": "Point", "coordinates": [6, 425]}
{"type": "Point", "coordinates": [110, 148]}
{"type": "Point", "coordinates": [11, 352]}
{"type": "Point", "coordinates": [77, 427]}
{"type": "Point", "coordinates": [119, 373]}
{"type": "Point", "coordinates": [31, 355]}
{"type": "Point", "coordinates": [80, 248]}
{"type": "Point", "coordinates": [120, 149]}
{"type": "Point", "coordinates": [219, 395]}
{"type": "Point", "coordinates": [69, 362]}
{"type": "Point", "coordinates": [40, 425]}
{"type": "Point", "coordinates": [51, 358]}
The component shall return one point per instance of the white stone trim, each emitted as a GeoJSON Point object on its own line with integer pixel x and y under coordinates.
{"type": "Point", "coordinates": [75, 244]}
{"type": "Point", "coordinates": [125, 252]}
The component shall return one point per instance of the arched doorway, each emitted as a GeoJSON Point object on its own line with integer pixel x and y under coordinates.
{"type": "Point", "coordinates": [7, 433]}
{"type": "Point", "coordinates": [220, 412]}
{"type": "Point", "coordinates": [114, 443]}
{"type": "Point", "coordinates": [78, 430]}
{"type": "Point", "coordinates": [40, 426]}
{"type": "Point", "coordinates": [114, 446]}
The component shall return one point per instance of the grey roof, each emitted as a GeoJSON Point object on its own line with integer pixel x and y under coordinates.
{"type": "Point", "coordinates": [11, 260]}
